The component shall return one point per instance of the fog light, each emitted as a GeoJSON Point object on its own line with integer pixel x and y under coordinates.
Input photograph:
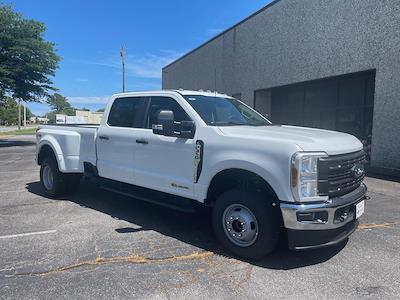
{"type": "Point", "coordinates": [342, 214]}
{"type": "Point", "coordinates": [318, 217]}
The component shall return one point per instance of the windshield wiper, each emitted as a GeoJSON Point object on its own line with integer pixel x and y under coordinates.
{"type": "Point", "coordinates": [230, 123]}
{"type": "Point", "coordinates": [258, 124]}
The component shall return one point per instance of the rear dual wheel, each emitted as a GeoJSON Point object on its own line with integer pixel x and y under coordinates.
{"type": "Point", "coordinates": [246, 223]}
{"type": "Point", "coordinates": [56, 183]}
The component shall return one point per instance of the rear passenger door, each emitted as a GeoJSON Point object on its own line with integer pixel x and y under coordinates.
{"type": "Point", "coordinates": [116, 140]}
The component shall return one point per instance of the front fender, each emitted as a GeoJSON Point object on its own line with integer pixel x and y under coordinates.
{"type": "Point", "coordinates": [275, 170]}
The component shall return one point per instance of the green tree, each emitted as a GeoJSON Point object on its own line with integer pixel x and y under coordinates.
{"type": "Point", "coordinates": [59, 105]}
{"type": "Point", "coordinates": [100, 110]}
{"type": "Point", "coordinates": [27, 61]}
{"type": "Point", "coordinates": [52, 117]}
{"type": "Point", "coordinates": [9, 112]}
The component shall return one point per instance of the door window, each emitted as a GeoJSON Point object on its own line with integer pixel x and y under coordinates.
{"type": "Point", "coordinates": [164, 103]}
{"type": "Point", "coordinates": [128, 112]}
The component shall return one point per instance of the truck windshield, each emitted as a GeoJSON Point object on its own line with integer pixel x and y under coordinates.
{"type": "Point", "coordinates": [219, 111]}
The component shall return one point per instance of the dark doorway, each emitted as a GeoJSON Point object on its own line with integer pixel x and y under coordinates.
{"type": "Point", "coordinates": [343, 103]}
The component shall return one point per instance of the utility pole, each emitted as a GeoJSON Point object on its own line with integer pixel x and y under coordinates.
{"type": "Point", "coordinates": [24, 114]}
{"type": "Point", "coordinates": [19, 114]}
{"type": "Point", "coordinates": [123, 54]}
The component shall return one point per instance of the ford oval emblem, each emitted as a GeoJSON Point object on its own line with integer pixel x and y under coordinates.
{"type": "Point", "coordinates": [357, 170]}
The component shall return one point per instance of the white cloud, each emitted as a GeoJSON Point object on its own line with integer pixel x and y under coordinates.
{"type": "Point", "coordinates": [88, 100]}
{"type": "Point", "coordinates": [148, 65]}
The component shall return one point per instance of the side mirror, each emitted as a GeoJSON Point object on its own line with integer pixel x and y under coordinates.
{"type": "Point", "coordinates": [187, 129]}
{"type": "Point", "coordinates": [165, 124]}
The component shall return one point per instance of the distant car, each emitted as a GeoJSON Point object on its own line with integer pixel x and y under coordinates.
{"type": "Point", "coordinates": [178, 148]}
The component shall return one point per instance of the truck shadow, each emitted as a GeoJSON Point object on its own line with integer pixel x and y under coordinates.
{"type": "Point", "coordinates": [191, 228]}
{"type": "Point", "coordinates": [10, 142]}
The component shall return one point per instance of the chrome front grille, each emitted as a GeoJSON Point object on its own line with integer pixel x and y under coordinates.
{"type": "Point", "coordinates": [341, 174]}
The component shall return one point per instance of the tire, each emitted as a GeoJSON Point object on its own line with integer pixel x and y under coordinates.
{"type": "Point", "coordinates": [254, 223]}
{"type": "Point", "coordinates": [53, 181]}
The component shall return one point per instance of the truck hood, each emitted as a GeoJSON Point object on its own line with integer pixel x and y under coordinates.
{"type": "Point", "coordinates": [308, 139]}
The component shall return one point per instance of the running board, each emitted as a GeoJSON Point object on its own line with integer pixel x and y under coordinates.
{"type": "Point", "coordinates": [170, 201]}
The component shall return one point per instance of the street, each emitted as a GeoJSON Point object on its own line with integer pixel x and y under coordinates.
{"type": "Point", "coordinates": [96, 244]}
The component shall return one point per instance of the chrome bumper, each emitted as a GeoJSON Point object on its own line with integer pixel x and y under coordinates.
{"type": "Point", "coordinates": [293, 212]}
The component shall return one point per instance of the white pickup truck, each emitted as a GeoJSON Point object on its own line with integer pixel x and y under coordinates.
{"type": "Point", "coordinates": [179, 148]}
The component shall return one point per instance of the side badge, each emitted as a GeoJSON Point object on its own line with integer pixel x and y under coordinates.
{"type": "Point", "coordinates": [198, 160]}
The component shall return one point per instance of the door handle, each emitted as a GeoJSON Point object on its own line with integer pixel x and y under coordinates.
{"type": "Point", "coordinates": [104, 137]}
{"type": "Point", "coordinates": [142, 141]}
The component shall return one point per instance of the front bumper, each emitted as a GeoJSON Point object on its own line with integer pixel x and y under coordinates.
{"type": "Point", "coordinates": [313, 225]}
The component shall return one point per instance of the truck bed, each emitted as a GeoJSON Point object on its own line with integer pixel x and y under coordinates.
{"type": "Point", "coordinates": [77, 142]}
{"type": "Point", "coordinates": [70, 125]}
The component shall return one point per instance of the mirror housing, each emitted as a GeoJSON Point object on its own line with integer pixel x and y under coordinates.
{"type": "Point", "coordinates": [187, 131]}
{"type": "Point", "coordinates": [167, 126]}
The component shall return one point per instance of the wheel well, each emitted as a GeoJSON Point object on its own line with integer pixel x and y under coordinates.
{"type": "Point", "coordinates": [45, 151]}
{"type": "Point", "coordinates": [237, 178]}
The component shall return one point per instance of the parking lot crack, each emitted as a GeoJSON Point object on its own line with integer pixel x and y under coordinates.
{"type": "Point", "coordinates": [132, 259]}
{"type": "Point", "coordinates": [374, 225]}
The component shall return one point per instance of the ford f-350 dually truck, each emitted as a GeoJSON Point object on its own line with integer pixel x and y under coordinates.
{"type": "Point", "coordinates": [180, 147]}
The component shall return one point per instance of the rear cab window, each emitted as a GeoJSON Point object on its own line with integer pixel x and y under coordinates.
{"type": "Point", "coordinates": [128, 112]}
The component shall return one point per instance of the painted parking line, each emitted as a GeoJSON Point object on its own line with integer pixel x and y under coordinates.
{"type": "Point", "coordinates": [13, 191]}
{"type": "Point", "coordinates": [27, 234]}
{"type": "Point", "coordinates": [13, 171]}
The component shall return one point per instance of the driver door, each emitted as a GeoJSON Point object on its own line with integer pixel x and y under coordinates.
{"type": "Point", "coordinates": [164, 163]}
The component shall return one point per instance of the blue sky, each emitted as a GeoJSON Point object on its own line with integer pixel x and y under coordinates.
{"type": "Point", "coordinates": [89, 35]}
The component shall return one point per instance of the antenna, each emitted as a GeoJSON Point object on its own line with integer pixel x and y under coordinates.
{"type": "Point", "coordinates": [123, 55]}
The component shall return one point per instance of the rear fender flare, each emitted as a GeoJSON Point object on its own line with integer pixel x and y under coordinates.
{"type": "Point", "coordinates": [54, 145]}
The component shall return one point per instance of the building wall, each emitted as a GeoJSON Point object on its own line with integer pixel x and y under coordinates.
{"type": "Point", "coordinates": [296, 40]}
{"type": "Point", "coordinates": [90, 117]}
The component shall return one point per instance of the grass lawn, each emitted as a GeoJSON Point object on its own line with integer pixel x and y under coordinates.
{"type": "Point", "coordinates": [19, 132]}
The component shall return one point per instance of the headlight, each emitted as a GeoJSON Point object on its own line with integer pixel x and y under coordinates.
{"type": "Point", "coordinates": [304, 176]}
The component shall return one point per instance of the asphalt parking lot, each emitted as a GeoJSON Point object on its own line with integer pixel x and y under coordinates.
{"type": "Point", "coordinates": [96, 244]}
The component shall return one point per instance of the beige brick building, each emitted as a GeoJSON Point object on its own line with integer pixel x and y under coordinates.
{"type": "Point", "coordinates": [90, 117]}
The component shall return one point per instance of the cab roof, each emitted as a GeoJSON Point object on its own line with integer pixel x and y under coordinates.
{"type": "Point", "coordinates": [200, 92]}
{"type": "Point", "coordinates": [180, 91]}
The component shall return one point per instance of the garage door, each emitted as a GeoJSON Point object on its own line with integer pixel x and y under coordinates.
{"type": "Point", "coordinates": [343, 103]}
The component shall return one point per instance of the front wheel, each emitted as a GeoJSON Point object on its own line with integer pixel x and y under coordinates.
{"type": "Point", "coordinates": [247, 224]}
